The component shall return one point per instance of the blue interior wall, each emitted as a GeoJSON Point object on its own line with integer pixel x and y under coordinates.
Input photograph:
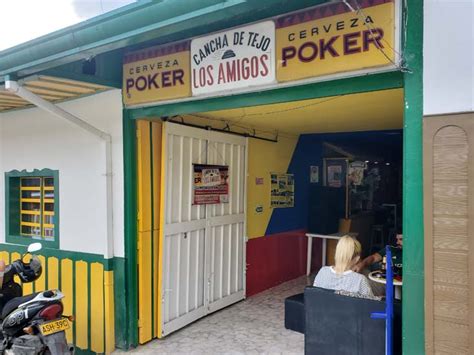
{"type": "Point", "coordinates": [309, 151]}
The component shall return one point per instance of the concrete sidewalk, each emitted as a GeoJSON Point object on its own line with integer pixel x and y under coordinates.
{"type": "Point", "coordinates": [253, 326]}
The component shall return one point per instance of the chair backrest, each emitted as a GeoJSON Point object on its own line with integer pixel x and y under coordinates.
{"type": "Point", "coordinates": [337, 324]}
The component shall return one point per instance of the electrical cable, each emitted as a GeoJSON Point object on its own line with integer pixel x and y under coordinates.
{"type": "Point", "coordinates": [360, 13]}
{"type": "Point", "coordinates": [249, 129]}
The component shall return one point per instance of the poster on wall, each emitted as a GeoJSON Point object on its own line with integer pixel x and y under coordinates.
{"type": "Point", "coordinates": [314, 174]}
{"type": "Point", "coordinates": [211, 184]}
{"type": "Point", "coordinates": [282, 190]}
{"type": "Point", "coordinates": [235, 59]}
{"type": "Point", "coordinates": [356, 172]}
{"type": "Point", "coordinates": [336, 170]}
{"type": "Point", "coordinates": [335, 176]}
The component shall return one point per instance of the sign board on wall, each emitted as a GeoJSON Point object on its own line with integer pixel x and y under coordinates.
{"type": "Point", "coordinates": [282, 190]}
{"type": "Point", "coordinates": [328, 39]}
{"type": "Point", "coordinates": [314, 174]}
{"type": "Point", "coordinates": [235, 59]}
{"type": "Point", "coordinates": [335, 172]}
{"type": "Point", "coordinates": [158, 73]}
{"type": "Point", "coordinates": [356, 172]}
{"type": "Point", "coordinates": [332, 39]}
{"type": "Point", "coordinates": [211, 184]}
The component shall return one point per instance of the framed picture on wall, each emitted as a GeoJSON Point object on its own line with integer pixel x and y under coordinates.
{"type": "Point", "coordinates": [314, 174]}
{"type": "Point", "coordinates": [282, 190]}
{"type": "Point", "coordinates": [335, 175]}
{"type": "Point", "coordinates": [335, 172]}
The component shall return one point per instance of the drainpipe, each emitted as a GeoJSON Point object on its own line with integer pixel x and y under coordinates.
{"type": "Point", "coordinates": [13, 87]}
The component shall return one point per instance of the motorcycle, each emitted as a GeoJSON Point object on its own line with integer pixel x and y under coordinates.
{"type": "Point", "coordinates": [32, 324]}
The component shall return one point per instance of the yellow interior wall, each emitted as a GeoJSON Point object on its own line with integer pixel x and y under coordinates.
{"type": "Point", "coordinates": [368, 111]}
{"type": "Point", "coordinates": [264, 158]}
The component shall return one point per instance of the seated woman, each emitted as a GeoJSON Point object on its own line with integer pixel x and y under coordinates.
{"type": "Point", "coordinates": [340, 277]}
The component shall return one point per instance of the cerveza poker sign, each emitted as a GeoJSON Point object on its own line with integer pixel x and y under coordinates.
{"type": "Point", "coordinates": [234, 59]}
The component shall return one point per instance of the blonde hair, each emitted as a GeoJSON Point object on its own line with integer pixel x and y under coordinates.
{"type": "Point", "coordinates": [347, 250]}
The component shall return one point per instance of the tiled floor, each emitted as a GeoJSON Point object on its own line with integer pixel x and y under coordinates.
{"type": "Point", "coordinates": [253, 326]}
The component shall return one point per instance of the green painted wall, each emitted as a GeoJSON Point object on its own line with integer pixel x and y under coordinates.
{"type": "Point", "coordinates": [354, 85]}
{"type": "Point", "coordinates": [62, 254]}
{"type": "Point", "coordinates": [413, 254]}
{"type": "Point", "coordinates": [129, 314]}
{"type": "Point", "coordinates": [120, 292]}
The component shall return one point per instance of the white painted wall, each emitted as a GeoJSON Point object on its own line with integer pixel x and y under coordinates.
{"type": "Point", "coordinates": [34, 139]}
{"type": "Point", "coordinates": [448, 56]}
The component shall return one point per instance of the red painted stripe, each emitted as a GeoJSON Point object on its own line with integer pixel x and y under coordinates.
{"type": "Point", "coordinates": [324, 11]}
{"type": "Point", "coordinates": [277, 258]}
{"type": "Point", "coordinates": [155, 52]}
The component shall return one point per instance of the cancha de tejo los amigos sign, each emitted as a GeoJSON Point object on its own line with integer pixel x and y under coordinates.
{"type": "Point", "coordinates": [235, 59]}
{"type": "Point", "coordinates": [323, 40]}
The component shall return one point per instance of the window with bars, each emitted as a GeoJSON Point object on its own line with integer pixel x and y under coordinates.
{"type": "Point", "coordinates": [32, 207]}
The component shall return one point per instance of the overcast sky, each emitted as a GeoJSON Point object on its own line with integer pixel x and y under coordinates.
{"type": "Point", "coordinates": [23, 20]}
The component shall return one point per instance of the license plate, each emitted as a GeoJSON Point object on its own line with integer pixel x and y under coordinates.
{"type": "Point", "coordinates": [54, 326]}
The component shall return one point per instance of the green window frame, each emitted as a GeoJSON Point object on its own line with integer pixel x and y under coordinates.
{"type": "Point", "coordinates": [32, 207]}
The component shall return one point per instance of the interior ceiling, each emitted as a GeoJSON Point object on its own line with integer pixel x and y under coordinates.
{"type": "Point", "coordinates": [378, 110]}
{"type": "Point", "coordinates": [49, 88]}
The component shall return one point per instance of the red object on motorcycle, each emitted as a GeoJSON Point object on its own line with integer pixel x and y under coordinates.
{"type": "Point", "coordinates": [51, 312]}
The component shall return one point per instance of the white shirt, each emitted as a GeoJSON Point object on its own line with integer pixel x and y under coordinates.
{"type": "Point", "coordinates": [347, 281]}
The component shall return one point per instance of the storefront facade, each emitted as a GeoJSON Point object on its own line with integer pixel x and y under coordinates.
{"type": "Point", "coordinates": [174, 75]}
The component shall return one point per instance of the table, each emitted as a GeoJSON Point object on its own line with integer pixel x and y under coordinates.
{"type": "Point", "coordinates": [397, 284]}
{"type": "Point", "coordinates": [324, 237]}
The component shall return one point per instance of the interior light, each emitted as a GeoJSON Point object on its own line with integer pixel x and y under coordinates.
{"type": "Point", "coordinates": [387, 164]}
{"type": "Point", "coordinates": [367, 162]}
{"type": "Point", "coordinates": [376, 162]}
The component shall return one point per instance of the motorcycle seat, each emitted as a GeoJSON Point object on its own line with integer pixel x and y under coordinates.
{"type": "Point", "coordinates": [15, 302]}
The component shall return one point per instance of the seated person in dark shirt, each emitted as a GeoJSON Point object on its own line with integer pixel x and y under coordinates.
{"type": "Point", "coordinates": [373, 262]}
{"type": "Point", "coordinates": [397, 254]}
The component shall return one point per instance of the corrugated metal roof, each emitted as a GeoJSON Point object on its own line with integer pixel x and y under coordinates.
{"type": "Point", "coordinates": [50, 88]}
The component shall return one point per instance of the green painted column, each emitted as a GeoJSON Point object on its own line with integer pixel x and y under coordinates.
{"type": "Point", "coordinates": [413, 254]}
{"type": "Point", "coordinates": [126, 303]}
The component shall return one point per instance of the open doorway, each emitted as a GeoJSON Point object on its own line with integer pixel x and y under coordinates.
{"type": "Point", "coordinates": [356, 137]}
{"type": "Point", "coordinates": [295, 153]}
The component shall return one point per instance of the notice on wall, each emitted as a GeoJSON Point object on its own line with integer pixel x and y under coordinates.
{"type": "Point", "coordinates": [156, 74]}
{"type": "Point", "coordinates": [211, 184]}
{"type": "Point", "coordinates": [240, 58]}
{"type": "Point", "coordinates": [282, 190]}
{"type": "Point", "coordinates": [332, 38]}
{"type": "Point", "coordinates": [335, 176]}
{"type": "Point", "coordinates": [314, 174]}
{"type": "Point", "coordinates": [356, 172]}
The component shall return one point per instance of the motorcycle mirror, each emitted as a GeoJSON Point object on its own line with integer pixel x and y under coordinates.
{"type": "Point", "coordinates": [34, 247]}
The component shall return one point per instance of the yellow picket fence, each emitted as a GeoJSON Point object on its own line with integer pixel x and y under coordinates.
{"type": "Point", "coordinates": [89, 296]}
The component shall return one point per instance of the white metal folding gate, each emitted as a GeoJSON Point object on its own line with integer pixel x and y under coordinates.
{"type": "Point", "coordinates": [203, 266]}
